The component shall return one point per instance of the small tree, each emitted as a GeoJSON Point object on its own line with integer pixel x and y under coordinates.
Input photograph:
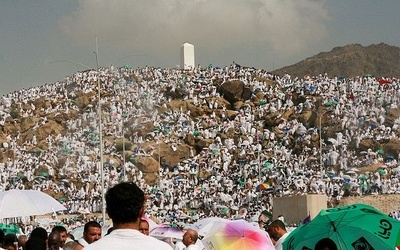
{"type": "Point", "coordinates": [14, 113]}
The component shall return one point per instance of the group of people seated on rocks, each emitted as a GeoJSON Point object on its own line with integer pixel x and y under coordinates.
{"type": "Point", "coordinates": [254, 151]}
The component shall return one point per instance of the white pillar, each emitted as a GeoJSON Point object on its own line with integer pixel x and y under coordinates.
{"type": "Point", "coordinates": [187, 56]}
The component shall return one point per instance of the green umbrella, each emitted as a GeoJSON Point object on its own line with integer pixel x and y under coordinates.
{"type": "Point", "coordinates": [356, 226]}
{"type": "Point", "coordinates": [10, 229]}
{"type": "Point", "coordinates": [330, 103]}
{"type": "Point", "coordinates": [267, 164]}
{"type": "Point", "coordinates": [362, 177]}
{"type": "Point", "coordinates": [382, 171]}
{"type": "Point", "coordinates": [240, 182]}
{"type": "Point", "coordinates": [224, 210]}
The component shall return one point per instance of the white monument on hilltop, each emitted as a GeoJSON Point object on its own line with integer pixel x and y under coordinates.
{"type": "Point", "coordinates": [187, 56]}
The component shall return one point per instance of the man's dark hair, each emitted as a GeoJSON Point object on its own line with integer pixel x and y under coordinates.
{"type": "Point", "coordinates": [124, 202]}
{"type": "Point", "coordinates": [39, 232]}
{"type": "Point", "coordinates": [54, 240]}
{"type": "Point", "coordinates": [91, 224]}
{"type": "Point", "coordinates": [278, 223]}
{"type": "Point", "coordinates": [9, 239]}
{"type": "Point", "coordinates": [2, 234]}
{"type": "Point", "coordinates": [35, 243]}
{"type": "Point", "coordinates": [59, 229]}
{"type": "Point", "coordinates": [70, 245]}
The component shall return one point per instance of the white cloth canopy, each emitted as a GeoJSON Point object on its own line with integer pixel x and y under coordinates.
{"type": "Point", "coordinates": [23, 203]}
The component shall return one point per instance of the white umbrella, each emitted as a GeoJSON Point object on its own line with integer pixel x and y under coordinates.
{"type": "Point", "coordinates": [24, 203]}
{"type": "Point", "coordinates": [46, 222]}
{"type": "Point", "coordinates": [77, 232]}
{"type": "Point", "coordinates": [163, 232]}
{"type": "Point", "coordinates": [203, 226]}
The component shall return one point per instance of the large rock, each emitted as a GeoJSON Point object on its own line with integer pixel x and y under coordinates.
{"type": "Point", "coordinates": [234, 91]}
{"type": "Point", "coordinates": [190, 139]}
{"type": "Point", "coordinates": [82, 101]}
{"type": "Point", "coordinates": [391, 116]}
{"type": "Point", "coordinates": [392, 147]}
{"type": "Point", "coordinates": [151, 178]}
{"type": "Point", "coordinates": [49, 128]}
{"type": "Point", "coordinates": [28, 122]}
{"type": "Point", "coordinates": [271, 119]}
{"type": "Point", "coordinates": [231, 114]}
{"type": "Point", "coordinates": [202, 143]}
{"type": "Point", "coordinates": [177, 104]}
{"type": "Point", "coordinates": [11, 127]}
{"type": "Point", "coordinates": [195, 111]}
{"type": "Point", "coordinates": [147, 164]}
{"type": "Point", "coordinates": [366, 144]}
{"type": "Point", "coordinates": [168, 156]}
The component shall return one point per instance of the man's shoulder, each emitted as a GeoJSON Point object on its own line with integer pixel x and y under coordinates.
{"type": "Point", "coordinates": [193, 247]}
{"type": "Point", "coordinates": [129, 243]}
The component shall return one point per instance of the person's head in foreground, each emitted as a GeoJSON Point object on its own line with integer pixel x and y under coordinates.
{"type": "Point", "coordinates": [276, 229]}
{"type": "Point", "coordinates": [63, 233]}
{"type": "Point", "coordinates": [54, 241]}
{"type": "Point", "coordinates": [144, 227]}
{"type": "Point", "coordinates": [35, 243]}
{"type": "Point", "coordinates": [92, 231]}
{"type": "Point", "coordinates": [125, 203]}
{"type": "Point", "coordinates": [190, 237]}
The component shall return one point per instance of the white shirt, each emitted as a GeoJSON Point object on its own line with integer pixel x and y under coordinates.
{"type": "Point", "coordinates": [179, 246]}
{"type": "Point", "coordinates": [128, 239]}
{"type": "Point", "coordinates": [193, 247]}
{"type": "Point", "coordinates": [83, 242]}
{"type": "Point", "coordinates": [278, 244]}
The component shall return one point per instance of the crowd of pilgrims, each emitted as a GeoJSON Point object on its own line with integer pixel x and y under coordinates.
{"type": "Point", "coordinates": [240, 185]}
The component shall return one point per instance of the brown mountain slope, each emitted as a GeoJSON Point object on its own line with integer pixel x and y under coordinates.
{"type": "Point", "coordinates": [350, 61]}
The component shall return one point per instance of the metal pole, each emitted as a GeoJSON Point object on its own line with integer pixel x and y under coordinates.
{"type": "Point", "coordinates": [123, 137]}
{"type": "Point", "coordinates": [320, 142]}
{"type": "Point", "coordinates": [100, 125]}
{"type": "Point", "coordinates": [96, 52]}
{"type": "Point", "coordinates": [103, 199]}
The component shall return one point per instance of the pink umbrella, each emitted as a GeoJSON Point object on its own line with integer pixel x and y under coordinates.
{"type": "Point", "coordinates": [152, 223]}
{"type": "Point", "coordinates": [238, 234]}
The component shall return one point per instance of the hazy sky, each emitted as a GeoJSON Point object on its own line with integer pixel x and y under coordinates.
{"type": "Point", "coordinates": [266, 34]}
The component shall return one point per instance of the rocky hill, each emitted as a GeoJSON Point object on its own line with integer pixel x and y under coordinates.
{"type": "Point", "coordinates": [157, 123]}
{"type": "Point", "coordinates": [379, 60]}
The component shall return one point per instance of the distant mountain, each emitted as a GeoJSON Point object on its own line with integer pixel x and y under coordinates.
{"type": "Point", "coordinates": [349, 61]}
